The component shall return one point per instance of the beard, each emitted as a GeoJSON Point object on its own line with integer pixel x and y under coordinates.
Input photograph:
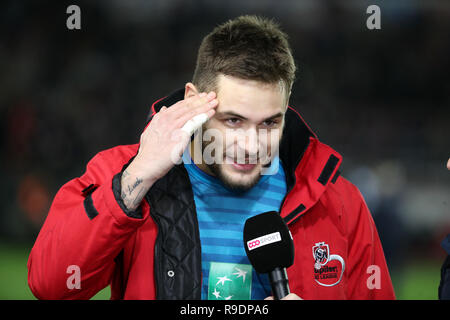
{"type": "Point", "coordinates": [236, 186]}
{"type": "Point", "coordinates": [230, 183]}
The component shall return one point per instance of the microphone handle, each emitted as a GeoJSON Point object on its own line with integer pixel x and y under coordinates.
{"type": "Point", "coordinates": [279, 283]}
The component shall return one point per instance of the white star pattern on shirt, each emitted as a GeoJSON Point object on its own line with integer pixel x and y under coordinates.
{"type": "Point", "coordinates": [228, 298]}
{"type": "Point", "coordinates": [222, 280]}
{"type": "Point", "coordinates": [216, 293]}
{"type": "Point", "coordinates": [240, 273]}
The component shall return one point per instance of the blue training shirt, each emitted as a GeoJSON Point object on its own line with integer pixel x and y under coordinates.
{"type": "Point", "coordinates": [226, 271]}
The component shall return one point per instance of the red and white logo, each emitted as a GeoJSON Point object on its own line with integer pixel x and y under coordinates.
{"type": "Point", "coordinates": [328, 268]}
{"type": "Point", "coordinates": [263, 240]}
{"type": "Point", "coordinates": [321, 254]}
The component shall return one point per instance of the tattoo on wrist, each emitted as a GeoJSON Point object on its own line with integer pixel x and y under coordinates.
{"type": "Point", "coordinates": [127, 189]}
{"type": "Point", "coordinates": [135, 184]}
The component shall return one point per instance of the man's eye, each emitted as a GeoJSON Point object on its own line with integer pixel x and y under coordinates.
{"type": "Point", "coordinates": [269, 123]}
{"type": "Point", "coordinates": [233, 121]}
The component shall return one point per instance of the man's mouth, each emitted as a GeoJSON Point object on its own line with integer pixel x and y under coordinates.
{"type": "Point", "coordinates": [242, 164]}
{"type": "Point", "coordinates": [243, 167]}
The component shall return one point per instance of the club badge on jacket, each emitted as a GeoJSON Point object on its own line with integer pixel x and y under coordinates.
{"type": "Point", "coordinates": [328, 268]}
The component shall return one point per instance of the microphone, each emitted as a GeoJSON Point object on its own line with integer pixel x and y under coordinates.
{"type": "Point", "coordinates": [270, 249]}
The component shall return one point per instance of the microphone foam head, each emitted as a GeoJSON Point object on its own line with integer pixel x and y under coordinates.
{"type": "Point", "coordinates": [268, 242]}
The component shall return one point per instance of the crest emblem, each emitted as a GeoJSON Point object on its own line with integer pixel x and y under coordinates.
{"type": "Point", "coordinates": [321, 254]}
{"type": "Point", "coordinates": [328, 268]}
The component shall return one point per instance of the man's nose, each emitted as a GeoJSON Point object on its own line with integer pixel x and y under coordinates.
{"type": "Point", "coordinates": [252, 143]}
{"type": "Point", "coordinates": [249, 143]}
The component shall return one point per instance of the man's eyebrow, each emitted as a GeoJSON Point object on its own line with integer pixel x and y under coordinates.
{"type": "Point", "coordinates": [277, 115]}
{"type": "Point", "coordinates": [233, 114]}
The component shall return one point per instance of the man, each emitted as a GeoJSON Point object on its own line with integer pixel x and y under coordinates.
{"type": "Point", "coordinates": [160, 220]}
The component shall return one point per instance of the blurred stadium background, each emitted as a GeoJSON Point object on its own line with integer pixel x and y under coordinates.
{"type": "Point", "coordinates": [379, 97]}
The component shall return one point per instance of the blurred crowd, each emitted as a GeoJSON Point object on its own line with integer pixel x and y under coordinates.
{"type": "Point", "coordinates": [379, 97]}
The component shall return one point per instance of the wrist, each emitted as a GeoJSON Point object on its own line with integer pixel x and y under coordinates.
{"type": "Point", "coordinates": [124, 204]}
{"type": "Point", "coordinates": [135, 183]}
{"type": "Point", "coordinates": [137, 169]}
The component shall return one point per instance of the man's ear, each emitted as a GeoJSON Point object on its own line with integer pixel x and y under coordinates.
{"type": "Point", "coordinates": [190, 90]}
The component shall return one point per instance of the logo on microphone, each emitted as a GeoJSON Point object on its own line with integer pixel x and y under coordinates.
{"type": "Point", "coordinates": [263, 240]}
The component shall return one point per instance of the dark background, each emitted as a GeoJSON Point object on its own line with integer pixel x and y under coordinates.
{"type": "Point", "coordinates": [379, 97]}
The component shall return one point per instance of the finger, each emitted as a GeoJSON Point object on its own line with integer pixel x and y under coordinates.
{"type": "Point", "coordinates": [190, 104]}
{"type": "Point", "coordinates": [269, 298]}
{"type": "Point", "coordinates": [182, 103]}
{"type": "Point", "coordinates": [196, 122]}
{"type": "Point", "coordinates": [157, 115]}
{"type": "Point", "coordinates": [203, 98]}
{"type": "Point", "coordinates": [292, 296]}
{"type": "Point", "coordinates": [196, 106]}
{"type": "Point", "coordinates": [191, 113]}
{"type": "Point", "coordinates": [181, 138]}
{"type": "Point", "coordinates": [199, 99]}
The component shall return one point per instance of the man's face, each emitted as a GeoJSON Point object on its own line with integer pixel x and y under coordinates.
{"type": "Point", "coordinates": [246, 131]}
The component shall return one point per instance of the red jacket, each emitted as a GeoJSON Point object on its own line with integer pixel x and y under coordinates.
{"type": "Point", "coordinates": [338, 254]}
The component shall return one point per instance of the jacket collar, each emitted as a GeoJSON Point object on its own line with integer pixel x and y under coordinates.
{"type": "Point", "coordinates": [310, 165]}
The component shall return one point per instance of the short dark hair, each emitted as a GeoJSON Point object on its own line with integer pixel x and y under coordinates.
{"type": "Point", "coordinates": [247, 47]}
